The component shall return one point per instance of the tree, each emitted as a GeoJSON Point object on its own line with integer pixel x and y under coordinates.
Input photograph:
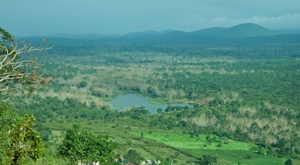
{"type": "Point", "coordinates": [15, 71]}
{"type": "Point", "coordinates": [209, 139]}
{"type": "Point", "coordinates": [86, 147]}
{"type": "Point", "coordinates": [159, 110]}
{"type": "Point", "coordinates": [208, 160]}
{"type": "Point", "coordinates": [19, 141]}
{"type": "Point", "coordinates": [82, 84]}
{"type": "Point", "coordinates": [288, 162]}
{"type": "Point", "coordinates": [142, 136]}
{"type": "Point", "coordinates": [133, 156]}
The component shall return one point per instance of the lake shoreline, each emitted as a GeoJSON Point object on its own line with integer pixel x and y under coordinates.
{"type": "Point", "coordinates": [125, 101]}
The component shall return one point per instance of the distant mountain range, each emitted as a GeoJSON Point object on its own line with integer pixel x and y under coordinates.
{"type": "Point", "coordinates": [89, 36]}
{"type": "Point", "coordinates": [238, 31]}
{"type": "Point", "coordinates": [242, 33]}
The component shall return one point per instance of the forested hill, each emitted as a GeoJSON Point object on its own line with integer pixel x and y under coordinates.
{"type": "Point", "coordinates": [238, 31]}
{"type": "Point", "coordinates": [239, 35]}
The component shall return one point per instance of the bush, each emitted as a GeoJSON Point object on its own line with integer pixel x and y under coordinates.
{"type": "Point", "coordinates": [248, 157]}
{"type": "Point", "coordinates": [82, 84]}
{"type": "Point", "coordinates": [220, 144]}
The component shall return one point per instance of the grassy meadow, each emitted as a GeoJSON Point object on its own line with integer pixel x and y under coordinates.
{"type": "Point", "coordinates": [231, 152]}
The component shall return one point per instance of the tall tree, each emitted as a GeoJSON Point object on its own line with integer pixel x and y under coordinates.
{"type": "Point", "coordinates": [86, 147]}
{"type": "Point", "coordinates": [19, 141]}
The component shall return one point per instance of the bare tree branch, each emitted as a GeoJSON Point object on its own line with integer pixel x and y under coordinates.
{"type": "Point", "coordinates": [13, 70]}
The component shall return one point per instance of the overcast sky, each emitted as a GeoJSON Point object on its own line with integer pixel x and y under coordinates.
{"type": "Point", "coordinates": [42, 17]}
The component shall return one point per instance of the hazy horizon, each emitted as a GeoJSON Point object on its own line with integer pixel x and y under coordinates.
{"type": "Point", "coordinates": [38, 18]}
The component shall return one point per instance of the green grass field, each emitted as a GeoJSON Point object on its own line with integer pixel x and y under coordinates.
{"type": "Point", "coordinates": [232, 153]}
{"type": "Point", "coordinates": [186, 142]}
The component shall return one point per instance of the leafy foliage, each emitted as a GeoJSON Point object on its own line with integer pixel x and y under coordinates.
{"type": "Point", "coordinates": [288, 162]}
{"type": "Point", "coordinates": [86, 147]}
{"type": "Point", "coordinates": [19, 140]}
{"type": "Point", "coordinates": [208, 160]}
{"type": "Point", "coordinates": [133, 156]}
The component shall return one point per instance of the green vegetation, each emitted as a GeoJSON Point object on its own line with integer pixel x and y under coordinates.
{"type": "Point", "coordinates": [20, 142]}
{"type": "Point", "coordinates": [187, 142]}
{"type": "Point", "coordinates": [245, 104]}
{"type": "Point", "coordinates": [229, 152]}
{"type": "Point", "coordinates": [86, 147]}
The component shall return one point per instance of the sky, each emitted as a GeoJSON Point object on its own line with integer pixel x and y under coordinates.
{"type": "Point", "coordinates": [44, 17]}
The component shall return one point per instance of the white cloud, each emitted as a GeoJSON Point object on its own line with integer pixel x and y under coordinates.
{"type": "Point", "coordinates": [286, 21]}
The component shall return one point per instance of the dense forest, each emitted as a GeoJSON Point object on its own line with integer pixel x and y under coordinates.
{"type": "Point", "coordinates": [244, 94]}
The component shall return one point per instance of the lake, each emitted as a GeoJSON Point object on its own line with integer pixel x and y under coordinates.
{"type": "Point", "coordinates": [123, 102]}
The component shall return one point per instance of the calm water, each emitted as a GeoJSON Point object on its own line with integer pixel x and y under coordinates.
{"type": "Point", "coordinates": [123, 102]}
